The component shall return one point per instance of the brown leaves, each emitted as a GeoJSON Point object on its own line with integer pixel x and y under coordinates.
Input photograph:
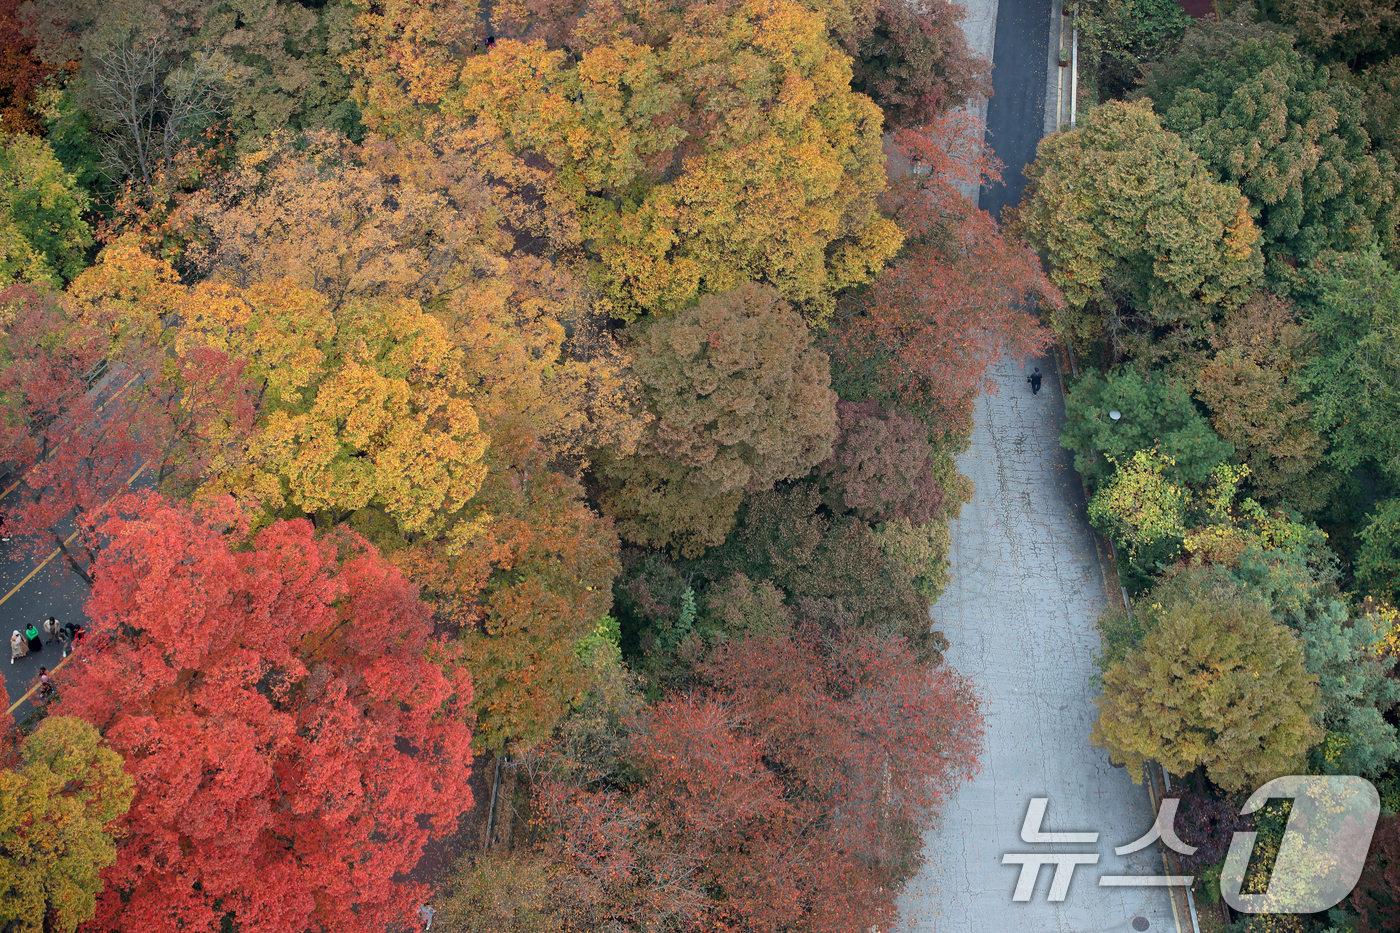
{"type": "Point", "coordinates": [1254, 400]}
{"type": "Point", "coordinates": [741, 400]}
{"type": "Point", "coordinates": [881, 467]}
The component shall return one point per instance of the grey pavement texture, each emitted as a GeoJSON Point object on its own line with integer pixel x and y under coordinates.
{"type": "Point", "coordinates": [1019, 613]}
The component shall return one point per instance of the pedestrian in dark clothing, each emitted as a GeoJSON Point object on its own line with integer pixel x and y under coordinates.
{"type": "Point", "coordinates": [75, 637]}
{"type": "Point", "coordinates": [31, 634]}
{"type": "Point", "coordinates": [490, 43]}
{"type": "Point", "coordinates": [45, 692]}
{"type": "Point", "coordinates": [1034, 380]}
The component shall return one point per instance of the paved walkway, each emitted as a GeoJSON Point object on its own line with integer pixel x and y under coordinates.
{"type": "Point", "coordinates": [1019, 613]}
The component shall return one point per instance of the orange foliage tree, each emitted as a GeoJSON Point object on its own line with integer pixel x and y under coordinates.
{"type": "Point", "coordinates": [961, 296]}
{"type": "Point", "coordinates": [912, 59]}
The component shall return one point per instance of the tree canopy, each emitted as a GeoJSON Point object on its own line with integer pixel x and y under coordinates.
{"type": "Point", "coordinates": [1155, 411]}
{"type": "Point", "coordinates": [734, 152]}
{"type": "Point", "coordinates": [742, 400]}
{"type": "Point", "coordinates": [58, 811]}
{"type": "Point", "coordinates": [1215, 683]}
{"type": "Point", "coordinates": [1138, 232]}
{"type": "Point", "coordinates": [1266, 118]}
{"type": "Point", "coordinates": [292, 742]}
{"type": "Point", "coordinates": [43, 235]}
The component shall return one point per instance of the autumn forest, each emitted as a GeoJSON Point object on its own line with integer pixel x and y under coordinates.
{"type": "Point", "coordinates": [579, 405]}
{"type": "Point", "coordinates": [549, 408]}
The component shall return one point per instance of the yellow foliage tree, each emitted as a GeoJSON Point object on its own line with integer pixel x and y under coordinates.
{"type": "Point", "coordinates": [734, 152]}
{"type": "Point", "coordinates": [57, 808]}
{"type": "Point", "coordinates": [328, 223]}
{"type": "Point", "coordinates": [372, 409]}
{"type": "Point", "coordinates": [1137, 231]}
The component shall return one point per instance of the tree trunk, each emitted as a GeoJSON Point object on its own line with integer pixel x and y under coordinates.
{"type": "Point", "coordinates": [72, 560]}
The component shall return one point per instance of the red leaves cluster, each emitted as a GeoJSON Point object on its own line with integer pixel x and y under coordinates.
{"type": "Point", "coordinates": [961, 296]}
{"type": "Point", "coordinates": [292, 744]}
{"type": "Point", "coordinates": [914, 60]}
{"type": "Point", "coordinates": [778, 799]}
{"type": "Point", "coordinates": [21, 73]}
{"type": "Point", "coordinates": [881, 465]}
{"type": "Point", "coordinates": [85, 412]}
{"type": "Point", "coordinates": [855, 722]}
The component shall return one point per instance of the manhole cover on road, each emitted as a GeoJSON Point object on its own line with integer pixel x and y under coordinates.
{"type": "Point", "coordinates": [1140, 923]}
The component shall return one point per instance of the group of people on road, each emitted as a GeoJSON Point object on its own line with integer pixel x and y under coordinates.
{"type": "Point", "coordinates": [65, 635]}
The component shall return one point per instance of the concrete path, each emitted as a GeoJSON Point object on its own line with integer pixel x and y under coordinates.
{"type": "Point", "coordinates": [1019, 614]}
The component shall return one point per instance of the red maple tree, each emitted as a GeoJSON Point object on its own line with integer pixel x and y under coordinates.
{"type": "Point", "coordinates": [293, 742]}
{"type": "Point", "coordinates": [853, 720]}
{"type": "Point", "coordinates": [960, 296]}
{"type": "Point", "coordinates": [782, 798]}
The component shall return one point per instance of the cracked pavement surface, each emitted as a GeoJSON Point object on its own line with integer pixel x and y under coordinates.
{"type": "Point", "coordinates": [1019, 612]}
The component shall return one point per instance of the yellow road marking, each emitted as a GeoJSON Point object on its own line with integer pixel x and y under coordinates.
{"type": "Point", "coordinates": [66, 541]}
{"type": "Point", "coordinates": [30, 693]}
{"type": "Point", "coordinates": [44, 563]}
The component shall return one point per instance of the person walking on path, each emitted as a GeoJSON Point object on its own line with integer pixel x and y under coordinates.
{"type": "Point", "coordinates": [17, 646]}
{"type": "Point", "coordinates": [75, 637]}
{"type": "Point", "coordinates": [45, 687]}
{"type": "Point", "coordinates": [1034, 380]}
{"type": "Point", "coordinates": [36, 644]}
{"type": "Point", "coordinates": [53, 629]}
{"type": "Point", "coordinates": [426, 914]}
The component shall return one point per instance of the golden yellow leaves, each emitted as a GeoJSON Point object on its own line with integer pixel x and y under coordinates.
{"type": "Point", "coordinates": [127, 292]}
{"type": "Point", "coordinates": [735, 152]}
{"type": "Point", "coordinates": [278, 328]}
{"type": "Point", "coordinates": [388, 424]}
{"type": "Point", "coordinates": [367, 406]}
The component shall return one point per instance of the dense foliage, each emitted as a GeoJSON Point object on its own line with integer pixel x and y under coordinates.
{"type": "Point", "coordinates": [1137, 231]}
{"type": "Point", "coordinates": [585, 399]}
{"type": "Point", "coordinates": [1250, 479]}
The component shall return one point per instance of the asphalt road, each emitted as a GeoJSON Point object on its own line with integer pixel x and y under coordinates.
{"type": "Point", "coordinates": [28, 596]}
{"type": "Point", "coordinates": [37, 582]}
{"type": "Point", "coordinates": [1016, 112]}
